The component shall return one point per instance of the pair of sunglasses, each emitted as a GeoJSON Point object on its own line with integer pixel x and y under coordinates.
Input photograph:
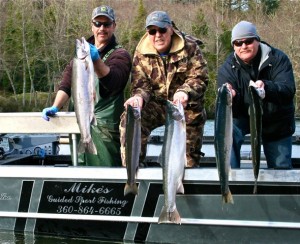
{"type": "Point", "coordinates": [247, 42]}
{"type": "Point", "coordinates": [152, 32]}
{"type": "Point", "coordinates": [99, 24]}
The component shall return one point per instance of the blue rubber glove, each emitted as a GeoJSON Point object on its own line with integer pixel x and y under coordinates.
{"type": "Point", "coordinates": [94, 52]}
{"type": "Point", "coordinates": [49, 112]}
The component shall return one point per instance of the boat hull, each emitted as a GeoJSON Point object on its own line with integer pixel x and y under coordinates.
{"type": "Point", "coordinates": [89, 202]}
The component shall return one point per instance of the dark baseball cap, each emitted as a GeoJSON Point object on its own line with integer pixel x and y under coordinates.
{"type": "Point", "coordinates": [104, 11]}
{"type": "Point", "coordinates": [158, 18]}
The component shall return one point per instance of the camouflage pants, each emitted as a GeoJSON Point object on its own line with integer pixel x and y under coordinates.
{"type": "Point", "coordinates": [154, 115]}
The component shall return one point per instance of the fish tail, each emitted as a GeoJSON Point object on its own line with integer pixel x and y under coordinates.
{"type": "Point", "coordinates": [131, 188]}
{"type": "Point", "coordinates": [169, 217]}
{"type": "Point", "coordinates": [93, 120]}
{"type": "Point", "coordinates": [180, 188]}
{"type": "Point", "coordinates": [227, 197]}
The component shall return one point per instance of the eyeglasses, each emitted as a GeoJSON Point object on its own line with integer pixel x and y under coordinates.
{"type": "Point", "coordinates": [152, 32]}
{"type": "Point", "coordinates": [99, 24]}
{"type": "Point", "coordinates": [247, 42]}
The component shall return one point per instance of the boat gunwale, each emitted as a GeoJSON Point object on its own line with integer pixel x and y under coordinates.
{"type": "Point", "coordinates": [153, 174]}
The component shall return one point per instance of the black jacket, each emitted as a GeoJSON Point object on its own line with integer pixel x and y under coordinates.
{"type": "Point", "coordinates": [276, 71]}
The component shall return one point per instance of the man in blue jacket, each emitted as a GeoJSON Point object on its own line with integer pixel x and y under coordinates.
{"type": "Point", "coordinates": [272, 71]}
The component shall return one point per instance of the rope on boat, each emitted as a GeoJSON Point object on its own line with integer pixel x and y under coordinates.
{"type": "Point", "coordinates": [153, 220]}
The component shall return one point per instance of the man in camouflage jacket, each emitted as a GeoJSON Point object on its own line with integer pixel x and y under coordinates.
{"type": "Point", "coordinates": [166, 66]}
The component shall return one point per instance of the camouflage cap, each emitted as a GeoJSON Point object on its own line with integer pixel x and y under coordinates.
{"type": "Point", "coordinates": [104, 11]}
{"type": "Point", "coordinates": [158, 18]}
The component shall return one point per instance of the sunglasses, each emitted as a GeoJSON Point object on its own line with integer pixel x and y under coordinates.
{"type": "Point", "coordinates": [99, 24]}
{"type": "Point", "coordinates": [152, 32]}
{"type": "Point", "coordinates": [247, 42]}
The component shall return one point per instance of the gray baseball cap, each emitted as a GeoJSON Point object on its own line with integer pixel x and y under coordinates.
{"type": "Point", "coordinates": [158, 18]}
{"type": "Point", "coordinates": [242, 30]}
{"type": "Point", "coordinates": [104, 11]}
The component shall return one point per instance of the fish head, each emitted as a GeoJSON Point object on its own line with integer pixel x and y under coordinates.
{"type": "Point", "coordinates": [175, 111]}
{"type": "Point", "coordinates": [82, 48]}
{"type": "Point", "coordinates": [225, 92]}
{"type": "Point", "coordinates": [134, 111]}
{"type": "Point", "coordinates": [228, 96]}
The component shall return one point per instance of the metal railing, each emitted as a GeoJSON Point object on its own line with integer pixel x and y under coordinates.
{"type": "Point", "coordinates": [32, 123]}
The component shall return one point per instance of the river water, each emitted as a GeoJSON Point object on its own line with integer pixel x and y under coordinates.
{"type": "Point", "coordinates": [209, 128]}
{"type": "Point", "coordinates": [9, 237]}
{"type": "Point", "coordinates": [153, 150]}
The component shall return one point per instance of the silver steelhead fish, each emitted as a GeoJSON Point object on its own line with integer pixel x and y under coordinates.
{"type": "Point", "coordinates": [223, 139]}
{"type": "Point", "coordinates": [173, 158]}
{"type": "Point", "coordinates": [83, 85]}
{"type": "Point", "coordinates": [255, 110]}
{"type": "Point", "coordinates": [132, 147]}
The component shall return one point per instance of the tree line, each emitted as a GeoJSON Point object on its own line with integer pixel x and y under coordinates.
{"type": "Point", "coordinates": [37, 38]}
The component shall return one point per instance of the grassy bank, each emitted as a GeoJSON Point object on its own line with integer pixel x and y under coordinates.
{"type": "Point", "coordinates": [28, 103]}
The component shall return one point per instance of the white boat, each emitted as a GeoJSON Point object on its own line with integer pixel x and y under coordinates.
{"type": "Point", "coordinates": [52, 196]}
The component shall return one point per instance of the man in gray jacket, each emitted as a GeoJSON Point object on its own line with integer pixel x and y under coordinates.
{"type": "Point", "coordinates": [272, 71]}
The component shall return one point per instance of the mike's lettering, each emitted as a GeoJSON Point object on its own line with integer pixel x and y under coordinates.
{"type": "Point", "coordinates": [78, 188]}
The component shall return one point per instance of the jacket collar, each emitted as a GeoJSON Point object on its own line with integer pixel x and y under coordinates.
{"type": "Point", "coordinates": [265, 51]}
{"type": "Point", "coordinates": [146, 48]}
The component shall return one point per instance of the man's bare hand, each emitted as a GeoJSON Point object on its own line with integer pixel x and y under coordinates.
{"type": "Point", "coordinates": [135, 101]}
{"type": "Point", "coordinates": [181, 97]}
{"type": "Point", "coordinates": [233, 92]}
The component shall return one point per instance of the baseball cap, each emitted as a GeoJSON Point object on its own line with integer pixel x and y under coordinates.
{"type": "Point", "coordinates": [104, 11]}
{"type": "Point", "coordinates": [242, 30]}
{"type": "Point", "coordinates": [158, 18]}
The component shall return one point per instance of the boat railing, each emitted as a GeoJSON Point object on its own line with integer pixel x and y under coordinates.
{"type": "Point", "coordinates": [32, 123]}
{"type": "Point", "coordinates": [152, 220]}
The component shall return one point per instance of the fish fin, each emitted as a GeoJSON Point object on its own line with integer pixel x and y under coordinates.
{"type": "Point", "coordinates": [93, 120]}
{"type": "Point", "coordinates": [185, 162]}
{"type": "Point", "coordinates": [81, 147]}
{"type": "Point", "coordinates": [131, 188]}
{"type": "Point", "coordinates": [180, 188]}
{"type": "Point", "coordinates": [91, 148]}
{"type": "Point", "coordinates": [227, 198]}
{"type": "Point", "coordinates": [255, 187]}
{"type": "Point", "coordinates": [159, 159]}
{"type": "Point", "coordinates": [169, 217]}
{"type": "Point", "coordinates": [87, 147]}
